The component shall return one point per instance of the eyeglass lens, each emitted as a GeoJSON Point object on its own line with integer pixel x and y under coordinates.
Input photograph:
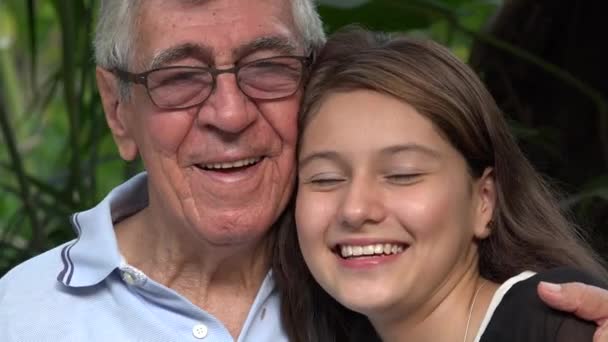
{"type": "Point", "coordinates": [181, 87]}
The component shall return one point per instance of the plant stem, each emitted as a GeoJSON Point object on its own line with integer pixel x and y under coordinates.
{"type": "Point", "coordinates": [36, 243]}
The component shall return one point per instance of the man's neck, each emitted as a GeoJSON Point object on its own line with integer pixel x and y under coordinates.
{"type": "Point", "coordinates": [222, 280]}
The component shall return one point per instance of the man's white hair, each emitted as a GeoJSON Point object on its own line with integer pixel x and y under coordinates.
{"type": "Point", "coordinates": [117, 21]}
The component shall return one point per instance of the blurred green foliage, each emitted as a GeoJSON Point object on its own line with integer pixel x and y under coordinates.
{"type": "Point", "coordinates": [57, 156]}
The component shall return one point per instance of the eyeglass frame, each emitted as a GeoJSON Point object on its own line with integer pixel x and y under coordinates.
{"type": "Point", "coordinates": [142, 78]}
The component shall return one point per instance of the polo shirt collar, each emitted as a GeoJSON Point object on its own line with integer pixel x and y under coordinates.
{"type": "Point", "coordinates": [94, 254]}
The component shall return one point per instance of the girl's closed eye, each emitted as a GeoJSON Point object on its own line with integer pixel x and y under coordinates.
{"type": "Point", "coordinates": [403, 178]}
{"type": "Point", "coordinates": [324, 180]}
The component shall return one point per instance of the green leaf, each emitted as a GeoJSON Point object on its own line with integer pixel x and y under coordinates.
{"type": "Point", "coordinates": [374, 15]}
{"type": "Point", "coordinates": [595, 188]}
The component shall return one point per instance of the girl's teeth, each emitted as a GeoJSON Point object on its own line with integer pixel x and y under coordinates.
{"type": "Point", "coordinates": [378, 249]}
{"type": "Point", "coordinates": [348, 251]}
{"type": "Point", "coordinates": [387, 248]}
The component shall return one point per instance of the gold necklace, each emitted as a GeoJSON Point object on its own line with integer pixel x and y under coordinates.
{"type": "Point", "coordinates": [466, 332]}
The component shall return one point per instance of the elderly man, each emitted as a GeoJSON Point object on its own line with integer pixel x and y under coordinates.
{"type": "Point", "coordinates": [206, 93]}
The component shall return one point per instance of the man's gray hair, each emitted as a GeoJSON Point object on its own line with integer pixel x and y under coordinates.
{"type": "Point", "coordinates": [115, 33]}
{"type": "Point", "coordinates": [308, 24]}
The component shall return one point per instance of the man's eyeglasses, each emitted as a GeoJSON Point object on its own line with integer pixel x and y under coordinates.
{"type": "Point", "coordinates": [180, 87]}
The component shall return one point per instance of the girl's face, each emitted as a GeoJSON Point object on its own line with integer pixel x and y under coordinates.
{"type": "Point", "coordinates": [386, 211]}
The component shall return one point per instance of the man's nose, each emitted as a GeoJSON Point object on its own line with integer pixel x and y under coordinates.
{"type": "Point", "coordinates": [228, 110]}
{"type": "Point", "coordinates": [362, 204]}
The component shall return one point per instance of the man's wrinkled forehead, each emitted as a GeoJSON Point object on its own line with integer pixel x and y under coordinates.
{"type": "Point", "coordinates": [232, 29]}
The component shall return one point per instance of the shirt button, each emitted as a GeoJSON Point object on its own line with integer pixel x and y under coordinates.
{"type": "Point", "coordinates": [199, 331]}
{"type": "Point", "coordinates": [128, 278]}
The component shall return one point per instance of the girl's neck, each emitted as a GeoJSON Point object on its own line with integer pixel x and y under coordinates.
{"type": "Point", "coordinates": [444, 316]}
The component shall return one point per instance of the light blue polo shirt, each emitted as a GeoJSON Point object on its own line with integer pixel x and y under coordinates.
{"type": "Point", "coordinates": [84, 291]}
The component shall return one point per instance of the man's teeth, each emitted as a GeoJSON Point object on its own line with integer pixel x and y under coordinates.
{"type": "Point", "coordinates": [238, 163]}
{"type": "Point", "coordinates": [376, 249]}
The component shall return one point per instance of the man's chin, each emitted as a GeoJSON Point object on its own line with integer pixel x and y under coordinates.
{"type": "Point", "coordinates": [233, 229]}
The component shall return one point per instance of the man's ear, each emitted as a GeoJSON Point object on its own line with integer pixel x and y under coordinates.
{"type": "Point", "coordinates": [115, 113]}
{"type": "Point", "coordinates": [485, 188]}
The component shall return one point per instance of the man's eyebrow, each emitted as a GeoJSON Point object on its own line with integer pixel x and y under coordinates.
{"type": "Point", "coordinates": [205, 54]}
{"type": "Point", "coordinates": [280, 44]}
{"type": "Point", "coordinates": [182, 51]}
{"type": "Point", "coordinates": [411, 147]}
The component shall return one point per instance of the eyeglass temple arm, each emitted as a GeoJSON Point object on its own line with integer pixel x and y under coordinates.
{"type": "Point", "coordinates": [127, 76]}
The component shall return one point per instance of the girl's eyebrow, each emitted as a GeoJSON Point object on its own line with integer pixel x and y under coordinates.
{"type": "Point", "coordinates": [389, 150]}
{"type": "Point", "coordinates": [332, 156]}
{"type": "Point", "coordinates": [411, 147]}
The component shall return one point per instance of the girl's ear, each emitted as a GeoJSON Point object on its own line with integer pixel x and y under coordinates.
{"type": "Point", "coordinates": [485, 191]}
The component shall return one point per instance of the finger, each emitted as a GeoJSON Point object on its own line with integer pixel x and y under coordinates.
{"type": "Point", "coordinates": [601, 334]}
{"type": "Point", "coordinates": [585, 301]}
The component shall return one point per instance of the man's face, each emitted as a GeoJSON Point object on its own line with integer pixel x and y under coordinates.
{"type": "Point", "coordinates": [225, 168]}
